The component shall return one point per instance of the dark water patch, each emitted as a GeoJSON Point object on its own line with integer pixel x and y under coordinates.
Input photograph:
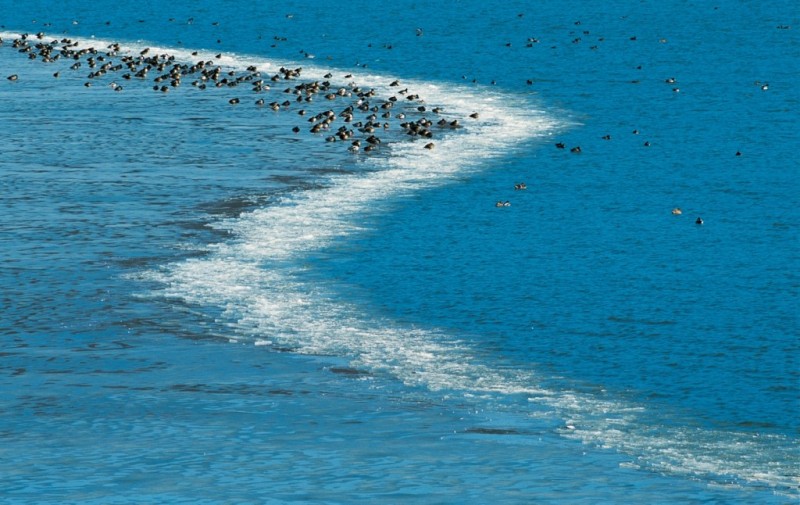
{"type": "Point", "coordinates": [349, 372]}
{"type": "Point", "coordinates": [40, 403]}
{"type": "Point", "coordinates": [234, 206]}
{"type": "Point", "coordinates": [284, 349]}
{"type": "Point", "coordinates": [757, 425]}
{"type": "Point", "coordinates": [780, 388]}
{"type": "Point", "coordinates": [630, 320]}
{"type": "Point", "coordinates": [294, 181]}
{"type": "Point", "coordinates": [196, 225]}
{"type": "Point", "coordinates": [104, 346]}
{"type": "Point", "coordinates": [121, 371]}
{"type": "Point", "coordinates": [492, 431]}
{"type": "Point", "coordinates": [227, 389]}
{"type": "Point", "coordinates": [280, 392]}
{"type": "Point", "coordinates": [139, 262]}
{"type": "Point", "coordinates": [112, 360]}
{"type": "Point", "coordinates": [118, 387]}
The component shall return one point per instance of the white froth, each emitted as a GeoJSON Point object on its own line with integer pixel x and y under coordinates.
{"type": "Point", "coordinates": [251, 276]}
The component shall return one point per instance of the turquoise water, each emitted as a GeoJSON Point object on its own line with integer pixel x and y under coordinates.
{"type": "Point", "coordinates": [201, 305]}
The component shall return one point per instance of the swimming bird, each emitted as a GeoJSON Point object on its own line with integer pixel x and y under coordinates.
{"type": "Point", "coordinates": [13, 77]}
{"type": "Point", "coordinates": [521, 185]}
{"type": "Point", "coordinates": [699, 220]}
{"type": "Point", "coordinates": [677, 211]}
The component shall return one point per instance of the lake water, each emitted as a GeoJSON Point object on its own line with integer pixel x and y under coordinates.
{"type": "Point", "coordinates": [199, 304]}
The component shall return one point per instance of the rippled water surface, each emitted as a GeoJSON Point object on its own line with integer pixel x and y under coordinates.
{"type": "Point", "coordinates": [199, 304]}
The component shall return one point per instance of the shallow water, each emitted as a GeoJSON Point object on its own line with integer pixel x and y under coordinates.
{"type": "Point", "coordinates": [200, 305]}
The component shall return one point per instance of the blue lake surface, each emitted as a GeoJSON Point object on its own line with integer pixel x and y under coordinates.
{"type": "Point", "coordinates": [199, 304]}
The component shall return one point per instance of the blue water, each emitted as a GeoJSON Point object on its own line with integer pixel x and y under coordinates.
{"type": "Point", "coordinates": [200, 305]}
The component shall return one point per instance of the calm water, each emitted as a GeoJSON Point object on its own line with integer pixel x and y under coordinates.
{"type": "Point", "coordinates": [200, 305]}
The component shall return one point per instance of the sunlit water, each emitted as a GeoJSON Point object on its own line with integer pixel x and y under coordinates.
{"type": "Point", "coordinates": [201, 305]}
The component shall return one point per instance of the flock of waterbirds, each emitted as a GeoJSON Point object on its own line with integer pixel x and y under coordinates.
{"type": "Point", "coordinates": [363, 118]}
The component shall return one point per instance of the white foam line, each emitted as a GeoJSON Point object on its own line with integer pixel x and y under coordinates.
{"type": "Point", "coordinates": [251, 277]}
{"type": "Point", "coordinates": [268, 302]}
